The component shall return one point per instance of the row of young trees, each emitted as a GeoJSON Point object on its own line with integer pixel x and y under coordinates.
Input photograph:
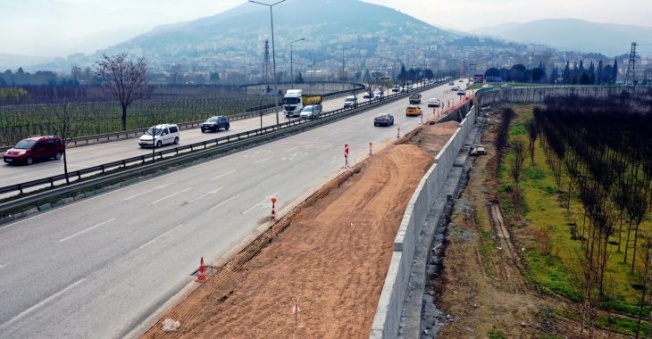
{"type": "Point", "coordinates": [608, 171]}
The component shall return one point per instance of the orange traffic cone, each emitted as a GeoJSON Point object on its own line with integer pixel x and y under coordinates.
{"type": "Point", "coordinates": [201, 277]}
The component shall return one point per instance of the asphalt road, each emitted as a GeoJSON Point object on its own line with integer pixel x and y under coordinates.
{"type": "Point", "coordinates": [97, 154]}
{"type": "Point", "coordinates": [99, 267]}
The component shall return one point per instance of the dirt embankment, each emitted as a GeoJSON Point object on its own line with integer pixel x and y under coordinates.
{"type": "Point", "coordinates": [330, 258]}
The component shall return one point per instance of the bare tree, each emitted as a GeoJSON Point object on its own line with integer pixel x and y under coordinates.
{"type": "Point", "coordinates": [125, 80]}
{"type": "Point", "coordinates": [533, 134]}
{"type": "Point", "coordinates": [516, 166]}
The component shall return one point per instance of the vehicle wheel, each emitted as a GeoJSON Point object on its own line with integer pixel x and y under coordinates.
{"type": "Point", "coordinates": [29, 161]}
{"type": "Point", "coordinates": [176, 141]}
{"type": "Point", "coordinates": [226, 127]}
{"type": "Point", "coordinates": [57, 156]}
{"type": "Point", "coordinates": [203, 130]}
{"type": "Point", "coordinates": [159, 144]}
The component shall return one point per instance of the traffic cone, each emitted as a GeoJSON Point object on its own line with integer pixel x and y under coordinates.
{"type": "Point", "coordinates": [201, 277]}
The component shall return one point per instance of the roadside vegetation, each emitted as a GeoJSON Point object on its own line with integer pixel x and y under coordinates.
{"type": "Point", "coordinates": [30, 111]}
{"type": "Point", "coordinates": [575, 187]}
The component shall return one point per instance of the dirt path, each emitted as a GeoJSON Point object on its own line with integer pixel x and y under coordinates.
{"type": "Point", "coordinates": [330, 258]}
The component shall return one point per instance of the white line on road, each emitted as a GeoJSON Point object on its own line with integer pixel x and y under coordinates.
{"type": "Point", "coordinates": [169, 196]}
{"type": "Point", "coordinates": [40, 304]}
{"type": "Point", "coordinates": [205, 194]}
{"type": "Point", "coordinates": [148, 191]}
{"type": "Point", "coordinates": [291, 149]}
{"type": "Point", "coordinates": [222, 175]}
{"type": "Point", "coordinates": [266, 202]}
{"type": "Point", "coordinates": [262, 160]}
{"type": "Point", "coordinates": [224, 202]}
{"type": "Point", "coordinates": [86, 230]}
{"type": "Point", "coordinates": [3, 265]}
{"type": "Point", "coordinates": [159, 237]}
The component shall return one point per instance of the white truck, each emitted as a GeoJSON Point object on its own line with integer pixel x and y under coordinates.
{"type": "Point", "coordinates": [294, 101]}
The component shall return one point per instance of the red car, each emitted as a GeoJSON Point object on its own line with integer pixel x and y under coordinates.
{"type": "Point", "coordinates": [29, 150]}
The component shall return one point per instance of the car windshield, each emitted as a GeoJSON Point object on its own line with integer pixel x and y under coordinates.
{"type": "Point", "coordinates": [290, 101]}
{"type": "Point", "coordinates": [349, 99]}
{"type": "Point", "coordinates": [154, 131]}
{"type": "Point", "coordinates": [211, 120]}
{"type": "Point", "coordinates": [308, 109]}
{"type": "Point", "coordinates": [25, 144]}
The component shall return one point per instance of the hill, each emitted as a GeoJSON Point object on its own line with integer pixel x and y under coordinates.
{"type": "Point", "coordinates": [574, 35]}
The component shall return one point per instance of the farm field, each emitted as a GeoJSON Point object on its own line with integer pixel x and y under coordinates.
{"type": "Point", "coordinates": [92, 113]}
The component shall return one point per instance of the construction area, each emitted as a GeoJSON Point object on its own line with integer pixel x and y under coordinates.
{"type": "Point", "coordinates": [319, 271]}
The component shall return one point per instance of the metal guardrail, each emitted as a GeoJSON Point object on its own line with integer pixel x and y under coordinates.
{"type": "Point", "coordinates": [218, 144]}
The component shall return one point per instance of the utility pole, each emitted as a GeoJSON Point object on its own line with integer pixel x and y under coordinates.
{"type": "Point", "coordinates": [630, 76]}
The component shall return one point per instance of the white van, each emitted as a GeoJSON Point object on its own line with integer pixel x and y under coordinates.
{"type": "Point", "coordinates": [351, 101]}
{"type": "Point", "coordinates": [378, 94]}
{"type": "Point", "coordinates": [159, 135]}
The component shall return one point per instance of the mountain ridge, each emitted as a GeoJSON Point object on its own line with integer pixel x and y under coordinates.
{"type": "Point", "coordinates": [573, 35]}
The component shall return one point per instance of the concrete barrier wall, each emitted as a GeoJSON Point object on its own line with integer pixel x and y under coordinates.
{"type": "Point", "coordinates": [388, 313]}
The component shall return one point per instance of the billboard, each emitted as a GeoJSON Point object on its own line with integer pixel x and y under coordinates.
{"type": "Point", "coordinates": [478, 78]}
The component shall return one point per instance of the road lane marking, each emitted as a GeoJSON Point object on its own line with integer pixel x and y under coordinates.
{"type": "Point", "coordinates": [222, 175]}
{"type": "Point", "coordinates": [205, 194]}
{"type": "Point", "coordinates": [86, 230]}
{"type": "Point", "coordinates": [159, 237]}
{"type": "Point", "coordinates": [169, 196]}
{"type": "Point", "coordinates": [148, 191]}
{"type": "Point", "coordinates": [42, 303]}
{"type": "Point", "coordinates": [291, 149]}
{"type": "Point", "coordinates": [224, 202]}
{"type": "Point", "coordinates": [265, 203]}
{"type": "Point", "coordinates": [262, 160]}
{"type": "Point", "coordinates": [3, 265]}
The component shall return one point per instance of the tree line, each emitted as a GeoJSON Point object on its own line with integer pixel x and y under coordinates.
{"type": "Point", "coordinates": [572, 74]}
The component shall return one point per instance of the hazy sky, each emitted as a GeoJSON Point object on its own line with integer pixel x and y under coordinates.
{"type": "Point", "coordinates": [57, 27]}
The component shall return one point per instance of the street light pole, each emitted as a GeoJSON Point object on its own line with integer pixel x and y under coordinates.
{"type": "Point", "coordinates": [343, 48]}
{"type": "Point", "coordinates": [271, 17]}
{"type": "Point", "coordinates": [291, 71]}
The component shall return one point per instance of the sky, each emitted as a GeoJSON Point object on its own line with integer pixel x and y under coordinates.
{"type": "Point", "coordinates": [59, 27]}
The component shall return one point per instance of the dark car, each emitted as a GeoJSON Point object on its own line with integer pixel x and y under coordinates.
{"type": "Point", "coordinates": [29, 150]}
{"type": "Point", "coordinates": [384, 120]}
{"type": "Point", "coordinates": [215, 123]}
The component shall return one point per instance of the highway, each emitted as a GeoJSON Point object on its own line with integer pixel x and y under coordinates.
{"type": "Point", "coordinates": [97, 154]}
{"type": "Point", "coordinates": [99, 267]}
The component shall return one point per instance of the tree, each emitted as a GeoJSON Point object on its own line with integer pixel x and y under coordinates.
{"type": "Point", "coordinates": [214, 77]}
{"type": "Point", "coordinates": [125, 80]}
{"type": "Point", "coordinates": [67, 126]}
{"type": "Point", "coordinates": [516, 166]}
{"type": "Point", "coordinates": [299, 79]}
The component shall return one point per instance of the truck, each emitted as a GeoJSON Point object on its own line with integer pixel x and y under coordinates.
{"type": "Point", "coordinates": [294, 101]}
{"type": "Point", "coordinates": [415, 98]}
